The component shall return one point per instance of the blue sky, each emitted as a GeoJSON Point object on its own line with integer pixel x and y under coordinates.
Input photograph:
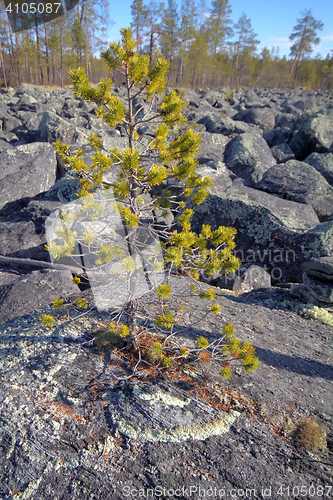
{"type": "Point", "coordinates": [272, 21]}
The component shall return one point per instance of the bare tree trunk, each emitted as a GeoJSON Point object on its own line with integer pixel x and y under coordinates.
{"type": "Point", "coordinates": [19, 74]}
{"type": "Point", "coordinates": [12, 55]}
{"type": "Point", "coordinates": [61, 59]}
{"type": "Point", "coordinates": [38, 54]}
{"type": "Point", "coordinates": [47, 55]}
{"type": "Point", "coordinates": [151, 44]}
{"type": "Point", "coordinates": [292, 68]}
{"type": "Point", "coordinates": [3, 66]}
{"type": "Point", "coordinates": [87, 55]}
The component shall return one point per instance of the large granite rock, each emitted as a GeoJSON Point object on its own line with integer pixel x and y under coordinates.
{"type": "Point", "coordinates": [52, 127]}
{"type": "Point", "coordinates": [263, 117]}
{"type": "Point", "coordinates": [247, 278]}
{"type": "Point", "coordinates": [314, 135]}
{"type": "Point", "coordinates": [74, 426]}
{"type": "Point", "coordinates": [271, 232]}
{"type": "Point", "coordinates": [323, 163]}
{"type": "Point", "coordinates": [22, 233]}
{"type": "Point", "coordinates": [249, 157]}
{"type": "Point", "coordinates": [299, 181]}
{"type": "Point", "coordinates": [34, 290]}
{"type": "Point", "coordinates": [26, 171]}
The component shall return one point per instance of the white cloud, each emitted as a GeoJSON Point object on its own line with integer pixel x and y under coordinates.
{"type": "Point", "coordinates": [327, 38]}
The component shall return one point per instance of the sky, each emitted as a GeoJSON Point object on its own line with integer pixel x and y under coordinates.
{"type": "Point", "coordinates": [273, 21]}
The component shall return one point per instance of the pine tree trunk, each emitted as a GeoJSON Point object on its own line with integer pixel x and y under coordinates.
{"type": "Point", "coordinates": [61, 59]}
{"type": "Point", "coordinates": [12, 55]}
{"type": "Point", "coordinates": [3, 66]}
{"type": "Point", "coordinates": [38, 54]}
{"type": "Point", "coordinates": [47, 55]}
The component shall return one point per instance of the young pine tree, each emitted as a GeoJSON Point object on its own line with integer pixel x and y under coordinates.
{"type": "Point", "coordinates": [140, 168]}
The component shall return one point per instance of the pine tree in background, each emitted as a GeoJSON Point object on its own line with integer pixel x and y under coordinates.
{"type": "Point", "coordinates": [140, 168]}
{"type": "Point", "coordinates": [169, 40]}
{"type": "Point", "coordinates": [153, 18]}
{"type": "Point", "coordinates": [138, 12]}
{"type": "Point", "coordinates": [220, 24]}
{"type": "Point", "coordinates": [305, 37]}
{"type": "Point", "coordinates": [246, 43]}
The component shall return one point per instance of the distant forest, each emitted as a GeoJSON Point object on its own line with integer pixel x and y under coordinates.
{"type": "Point", "coordinates": [204, 47]}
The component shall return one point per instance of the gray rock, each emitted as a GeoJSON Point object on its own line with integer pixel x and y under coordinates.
{"type": "Point", "coordinates": [247, 277]}
{"type": "Point", "coordinates": [27, 103]}
{"type": "Point", "coordinates": [52, 127]}
{"type": "Point", "coordinates": [4, 145]}
{"type": "Point", "coordinates": [314, 135]}
{"type": "Point", "coordinates": [26, 171]}
{"type": "Point", "coordinates": [299, 182]}
{"type": "Point", "coordinates": [22, 233]}
{"type": "Point", "coordinates": [218, 125]}
{"type": "Point", "coordinates": [296, 104]}
{"type": "Point", "coordinates": [271, 232]}
{"type": "Point", "coordinates": [60, 433]}
{"type": "Point", "coordinates": [301, 292]}
{"type": "Point", "coordinates": [249, 157]}
{"type": "Point", "coordinates": [10, 123]}
{"type": "Point", "coordinates": [282, 153]}
{"type": "Point", "coordinates": [34, 290]}
{"type": "Point", "coordinates": [323, 163]}
{"type": "Point", "coordinates": [285, 120]}
{"type": "Point", "coordinates": [263, 117]}
{"type": "Point", "coordinates": [321, 290]}
{"type": "Point", "coordinates": [278, 136]}
{"type": "Point", "coordinates": [65, 189]}
{"type": "Point", "coordinates": [218, 172]}
{"type": "Point", "coordinates": [319, 268]}
{"type": "Point", "coordinates": [212, 147]}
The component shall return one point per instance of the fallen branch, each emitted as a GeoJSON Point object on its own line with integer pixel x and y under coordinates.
{"type": "Point", "coordinates": [42, 264]}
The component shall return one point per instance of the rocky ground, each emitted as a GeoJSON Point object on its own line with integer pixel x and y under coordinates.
{"type": "Point", "coordinates": [73, 425]}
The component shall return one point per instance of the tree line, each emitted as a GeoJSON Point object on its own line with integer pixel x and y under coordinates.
{"type": "Point", "coordinates": [43, 55]}
{"type": "Point", "coordinates": [202, 44]}
{"type": "Point", "coordinates": [206, 49]}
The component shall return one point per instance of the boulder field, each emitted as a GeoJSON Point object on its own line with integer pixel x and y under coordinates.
{"type": "Point", "coordinates": [269, 152]}
{"type": "Point", "coordinates": [73, 424]}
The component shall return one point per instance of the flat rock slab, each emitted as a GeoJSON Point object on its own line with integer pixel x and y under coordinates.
{"type": "Point", "coordinates": [26, 171]}
{"type": "Point", "coordinates": [67, 418]}
{"type": "Point", "coordinates": [34, 290]}
{"type": "Point", "coordinates": [323, 265]}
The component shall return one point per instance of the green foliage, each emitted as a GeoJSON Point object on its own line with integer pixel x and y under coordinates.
{"type": "Point", "coordinates": [208, 294]}
{"type": "Point", "coordinates": [167, 362]}
{"type": "Point", "coordinates": [165, 319]}
{"type": "Point", "coordinates": [58, 303]}
{"type": "Point", "coordinates": [47, 320]}
{"type": "Point", "coordinates": [155, 353]}
{"type": "Point", "coordinates": [164, 291]}
{"type": "Point", "coordinates": [202, 342]}
{"type": "Point", "coordinates": [82, 303]}
{"type": "Point", "coordinates": [173, 150]}
{"type": "Point", "coordinates": [183, 351]}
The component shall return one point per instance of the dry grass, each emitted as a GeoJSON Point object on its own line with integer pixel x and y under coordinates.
{"type": "Point", "coordinates": [310, 434]}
